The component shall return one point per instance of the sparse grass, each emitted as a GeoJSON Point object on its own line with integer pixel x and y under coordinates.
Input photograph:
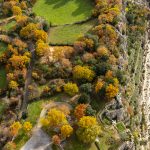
{"type": "Point", "coordinates": [21, 140]}
{"type": "Point", "coordinates": [120, 126]}
{"type": "Point", "coordinates": [70, 33]}
{"type": "Point", "coordinates": [75, 144]}
{"type": "Point", "coordinates": [34, 110]}
{"type": "Point", "coordinates": [59, 12]}
{"type": "Point", "coordinates": [9, 25]}
{"type": "Point", "coordinates": [108, 137]}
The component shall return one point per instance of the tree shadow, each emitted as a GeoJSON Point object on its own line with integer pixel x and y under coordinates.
{"type": "Point", "coordinates": [57, 3]}
{"type": "Point", "coordinates": [81, 6]}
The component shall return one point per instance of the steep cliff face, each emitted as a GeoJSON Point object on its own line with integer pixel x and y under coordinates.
{"type": "Point", "coordinates": [138, 69]}
{"type": "Point", "coordinates": [133, 105]}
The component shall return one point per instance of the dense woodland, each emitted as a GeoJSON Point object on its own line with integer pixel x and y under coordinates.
{"type": "Point", "coordinates": [70, 71]}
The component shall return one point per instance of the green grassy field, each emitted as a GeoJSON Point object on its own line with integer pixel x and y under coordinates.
{"type": "Point", "coordinates": [70, 33]}
{"type": "Point", "coordinates": [59, 12]}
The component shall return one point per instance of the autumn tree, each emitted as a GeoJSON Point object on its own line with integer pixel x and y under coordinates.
{"type": "Point", "coordinates": [83, 72]}
{"type": "Point", "coordinates": [15, 127]}
{"type": "Point", "coordinates": [56, 118]}
{"type": "Point", "coordinates": [56, 139]}
{"type": "Point", "coordinates": [21, 20]}
{"type": "Point", "coordinates": [102, 51]}
{"type": "Point", "coordinates": [28, 30]}
{"type": "Point", "coordinates": [71, 88]}
{"type": "Point", "coordinates": [40, 35]}
{"type": "Point", "coordinates": [16, 10]}
{"type": "Point", "coordinates": [66, 131]}
{"type": "Point", "coordinates": [79, 111]}
{"type": "Point", "coordinates": [18, 61]}
{"type": "Point", "coordinates": [13, 85]}
{"type": "Point", "coordinates": [88, 129]}
{"type": "Point", "coordinates": [41, 48]}
{"type": "Point", "coordinates": [111, 91]}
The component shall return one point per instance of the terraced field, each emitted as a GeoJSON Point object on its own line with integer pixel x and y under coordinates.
{"type": "Point", "coordinates": [70, 33]}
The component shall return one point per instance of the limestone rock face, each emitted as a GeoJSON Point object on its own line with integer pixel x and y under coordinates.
{"type": "Point", "coordinates": [115, 111]}
{"type": "Point", "coordinates": [127, 146]}
{"type": "Point", "coordinates": [39, 141]}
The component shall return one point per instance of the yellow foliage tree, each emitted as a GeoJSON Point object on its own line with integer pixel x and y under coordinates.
{"type": "Point", "coordinates": [28, 31]}
{"type": "Point", "coordinates": [56, 118]}
{"type": "Point", "coordinates": [111, 91]}
{"type": "Point", "coordinates": [99, 86]}
{"type": "Point", "coordinates": [21, 20]}
{"type": "Point", "coordinates": [88, 129]}
{"type": "Point", "coordinates": [66, 130]}
{"type": "Point", "coordinates": [13, 85]}
{"type": "Point", "coordinates": [15, 127]}
{"type": "Point", "coordinates": [87, 121]}
{"type": "Point", "coordinates": [84, 72]}
{"type": "Point", "coordinates": [41, 48]}
{"type": "Point", "coordinates": [40, 35]}
{"type": "Point", "coordinates": [18, 61]}
{"type": "Point", "coordinates": [27, 126]}
{"type": "Point", "coordinates": [71, 88]}
{"type": "Point", "coordinates": [102, 51]}
{"type": "Point", "coordinates": [23, 5]}
{"type": "Point", "coordinates": [16, 10]}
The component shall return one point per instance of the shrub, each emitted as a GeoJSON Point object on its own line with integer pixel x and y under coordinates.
{"type": "Point", "coordinates": [90, 111]}
{"type": "Point", "coordinates": [120, 76]}
{"type": "Point", "coordinates": [87, 57]}
{"type": "Point", "coordinates": [56, 140]}
{"type": "Point", "coordinates": [79, 46]}
{"type": "Point", "coordinates": [27, 126]}
{"type": "Point", "coordinates": [86, 88]}
{"type": "Point", "coordinates": [102, 68]}
{"type": "Point", "coordinates": [71, 88]}
{"type": "Point", "coordinates": [84, 98]}
{"type": "Point", "coordinates": [102, 51]}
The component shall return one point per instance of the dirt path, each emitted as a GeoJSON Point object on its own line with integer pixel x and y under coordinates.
{"type": "Point", "coordinates": [28, 79]}
{"type": "Point", "coordinates": [145, 97]}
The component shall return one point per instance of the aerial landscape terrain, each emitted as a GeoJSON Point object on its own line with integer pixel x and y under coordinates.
{"type": "Point", "coordinates": [74, 74]}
